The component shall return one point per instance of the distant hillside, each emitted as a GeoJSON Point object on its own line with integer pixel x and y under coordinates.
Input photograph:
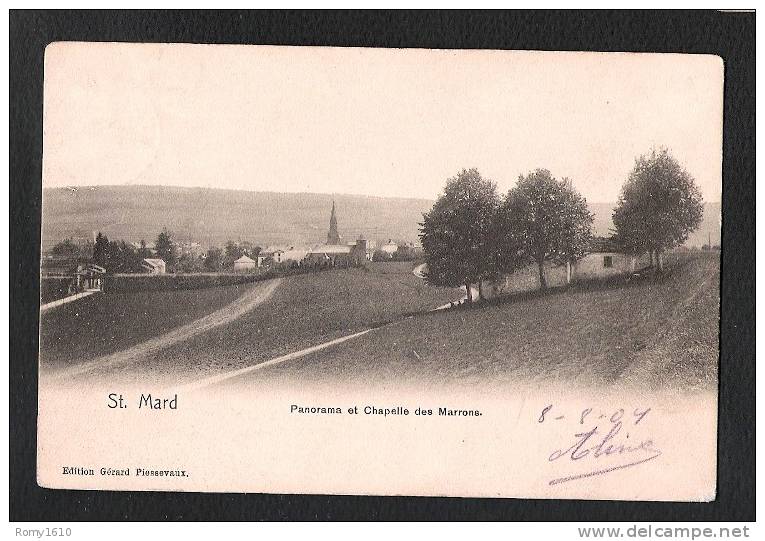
{"type": "Point", "coordinates": [212, 216]}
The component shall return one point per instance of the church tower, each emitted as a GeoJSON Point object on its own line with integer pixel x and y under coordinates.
{"type": "Point", "coordinates": [333, 237]}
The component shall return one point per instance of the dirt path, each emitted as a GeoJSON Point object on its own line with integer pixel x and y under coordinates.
{"type": "Point", "coordinates": [219, 378]}
{"type": "Point", "coordinates": [248, 301]}
{"type": "Point", "coordinates": [66, 300]}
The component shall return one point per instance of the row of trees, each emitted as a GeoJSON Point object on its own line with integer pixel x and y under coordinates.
{"type": "Point", "coordinates": [118, 256]}
{"type": "Point", "coordinates": [123, 257]}
{"type": "Point", "coordinates": [472, 234]}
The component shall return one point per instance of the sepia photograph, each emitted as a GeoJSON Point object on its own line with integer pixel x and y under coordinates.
{"type": "Point", "coordinates": [363, 271]}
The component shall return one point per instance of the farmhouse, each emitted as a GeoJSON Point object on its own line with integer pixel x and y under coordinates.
{"type": "Point", "coordinates": [294, 254]}
{"type": "Point", "coordinates": [390, 247]}
{"type": "Point", "coordinates": [282, 255]}
{"type": "Point", "coordinates": [603, 259]}
{"type": "Point", "coordinates": [339, 254]}
{"type": "Point", "coordinates": [277, 254]}
{"type": "Point", "coordinates": [263, 256]}
{"type": "Point", "coordinates": [269, 254]}
{"type": "Point", "coordinates": [244, 264]}
{"type": "Point", "coordinates": [153, 265]}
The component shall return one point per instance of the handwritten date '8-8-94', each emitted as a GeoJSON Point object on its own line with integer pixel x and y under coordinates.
{"type": "Point", "coordinates": [605, 440]}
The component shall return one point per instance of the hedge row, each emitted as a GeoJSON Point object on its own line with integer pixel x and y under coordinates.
{"type": "Point", "coordinates": [53, 288]}
{"type": "Point", "coordinates": [163, 282]}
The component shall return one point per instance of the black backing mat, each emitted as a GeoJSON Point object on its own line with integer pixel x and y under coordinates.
{"type": "Point", "coordinates": [729, 35]}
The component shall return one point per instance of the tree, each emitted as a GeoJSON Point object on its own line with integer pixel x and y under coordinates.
{"type": "Point", "coordinates": [122, 257]}
{"type": "Point", "coordinates": [380, 255]}
{"type": "Point", "coordinates": [143, 251]}
{"type": "Point", "coordinates": [545, 219]}
{"type": "Point", "coordinates": [65, 248]}
{"type": "Point", "coordinates": [165, 248]}
{"type": "Point", "coordinates": [659, 206]}
{"type": "Point", "coordinates": [213, 259]}
{"type": "Point", "coordinates": [403, 253]}
{"type": "Point", "coordinates": [113, 257]}
{"type": "Point", "coordinates": [233, 252]}
{"type": "Point", "coordinates": [456, 233]}
{"type": "Point", "coordinates": [131, 257]}
{"type": "Point", "coordinates": [189, 262]}
{"type": "Point", "coordinates": [101, 250]}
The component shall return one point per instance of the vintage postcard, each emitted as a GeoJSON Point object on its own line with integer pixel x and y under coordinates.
{"type": "Point", "coordinates": [467, 273]}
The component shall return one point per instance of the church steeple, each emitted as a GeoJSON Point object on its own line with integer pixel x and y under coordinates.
{"type": "Point", "coordinates": [333, 237]}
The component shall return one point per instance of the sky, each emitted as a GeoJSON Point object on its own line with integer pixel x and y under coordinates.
{"type": "Point", "coordinates": [384, 122]}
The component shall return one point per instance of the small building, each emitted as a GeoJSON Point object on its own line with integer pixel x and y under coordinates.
{"type": "Point", "coordinates": [604, 259]}
{"type": "Point", "coordinates": [244, 263]}
{"type": "Point", "coordinates": [296, 255]}
{"type": "Point", "coordinates": [147, 245]}
{"type": "Point", "coordinates": [90, 277]}
{"type": "Point", "coordinates": [277, 256]}
{"type": "Point", "coordinates": [329, 253]}
{"type": "Point", "coordinates": [154, 265]}
{"type": "Point", "coordinates": [339, 254]}
{"type": "Point", "coordinates": [271, 254]}
{"type": "Point", "coordinates": [389, 247]}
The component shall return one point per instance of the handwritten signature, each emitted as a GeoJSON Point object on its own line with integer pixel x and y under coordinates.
{"type": "Point", "coordinates": [592, 445]}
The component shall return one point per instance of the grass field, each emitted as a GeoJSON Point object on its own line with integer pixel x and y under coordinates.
{"type": "Point", "coordinates": [303, 311]}
{"type": "Point", "coordinates": [653, 332]}
{"type": "Point", "coordinates": [107, 322]}
{"type": "Point", "coordinates": [650, 332]}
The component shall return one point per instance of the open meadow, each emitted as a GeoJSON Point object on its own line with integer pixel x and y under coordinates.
{"type": "Point", "coordinates": [651, 331]}
{"type": "Point", "coordinates": [657, 331]}
{"type": "Point", "coordinates": [304, 310]}
{"type": "Point", "coordinates": [108, 322]}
